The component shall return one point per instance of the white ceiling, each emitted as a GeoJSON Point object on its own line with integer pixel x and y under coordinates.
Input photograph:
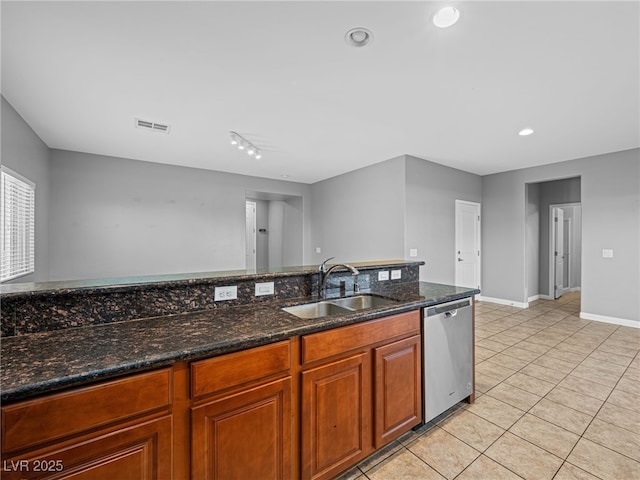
{"type": "Point", "coordinates": [281, 74]}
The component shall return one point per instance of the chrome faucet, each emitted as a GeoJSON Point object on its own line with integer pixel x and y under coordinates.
{"type": "Point", "coordinates": [325, 272]}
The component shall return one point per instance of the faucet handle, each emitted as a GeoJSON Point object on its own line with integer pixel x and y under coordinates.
{"type": "Point", "coordinates": [323, 265]}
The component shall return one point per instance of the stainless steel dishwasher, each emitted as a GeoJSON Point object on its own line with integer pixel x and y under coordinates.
{"type": "Point", "coordinates": [448, 356]}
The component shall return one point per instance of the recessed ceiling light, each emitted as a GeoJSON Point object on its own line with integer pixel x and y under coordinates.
{"type": "Point", "coordinates": [525, 131]}
{"type": "Point", "coordinates": [445, 17]}
{"type": "Point", "coordinates": [358, 37]}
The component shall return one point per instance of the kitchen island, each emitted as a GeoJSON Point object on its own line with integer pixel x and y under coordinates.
{"type": "Point", "coordinates": [174, 375]}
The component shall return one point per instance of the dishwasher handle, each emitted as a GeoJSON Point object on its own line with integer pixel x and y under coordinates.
{"type": "Point", "coordinates": [448, 308]}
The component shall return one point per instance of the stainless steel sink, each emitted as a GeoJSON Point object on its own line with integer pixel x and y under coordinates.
{"type": "Point", "coordinates": [316, 310]}
{"type": "Point", "coordinates": [360, 302]}
{"type": "Point", "coordinates": [338, 306]}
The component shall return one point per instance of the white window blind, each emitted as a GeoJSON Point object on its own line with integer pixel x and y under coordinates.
{"type": "Point", "coordinates": [18, 225]}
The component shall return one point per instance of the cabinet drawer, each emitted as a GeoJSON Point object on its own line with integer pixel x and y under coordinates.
{"type": "Point", "coordinates": [140, 451]}
{"type": "Point", "coordinates": [339, 340]}
{"type": "Point", "coordinates": [219, 373]}
{"type": "Point", "coordinates": [48, 418]}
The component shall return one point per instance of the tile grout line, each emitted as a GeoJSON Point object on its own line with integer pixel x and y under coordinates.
{"type": "Point", "coordinates": [601, 406]}
{"type": "Point", "coordinates": [564, 460]}
{"type": "Point", "coordinates": [585, 328]}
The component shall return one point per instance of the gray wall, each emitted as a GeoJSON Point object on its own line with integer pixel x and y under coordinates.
{"type": "Point", "coordinates": [119, 217]}
{"type": "Point", "coordinates": [431, 192]}
{"type": "Point", "coordinates": [24, 153]}
{"type": "Point", "coordinates": [532, 239]}
{"type": "Point", "coordinates": [575, 259]}
{"type": "Point", "coordinates": [276, 233]}
{"type": "Point", "coordinates": [359, 216]}
{"type": "Point", "coordinates": [610, 197]}
{"type": "Point", "coordinates": [262, 239]}
{"type": "Point", "coordinates": [553, 193]}
{"type": "Point", "coordinates": [403, 203]}
{"type": "Point", "coordinates": [292, 242]}
{"type": "Point", "coordinates": [100, 216]}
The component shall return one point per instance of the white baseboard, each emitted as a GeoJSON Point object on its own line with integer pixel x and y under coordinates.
{"type": "Point", "coordinates": [502, 301]}
{"type": "Point", "coordinates": [546, 297]}
{"type": "Point", "coordinates": [533, 299]}
{"type": "Point", "coordinates": [574, 289]}
{"type": "Point", "coordinates": [616, 321]}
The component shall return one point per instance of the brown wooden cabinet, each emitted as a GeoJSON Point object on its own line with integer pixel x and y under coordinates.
{"type": "Point", "coordinates": [361, 388]}
{"type": "Point", "coordinates": [118, 429]}
{"type": "Point", "coordinates": [398, 388]}
{"type": "Point", "coordinates": [241, 424]}
{"type": "Point", "coordinates": [336, 415]}
{"type": "Point", "coordinates": [308, 407]}
{"type": "Point", "coordinates": [141, 452]}
{"type": "Point", "coordinates": [245, 435]}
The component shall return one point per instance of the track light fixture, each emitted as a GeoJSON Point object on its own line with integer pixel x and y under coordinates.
{"type": "Point", "coordinates": [244, 144]}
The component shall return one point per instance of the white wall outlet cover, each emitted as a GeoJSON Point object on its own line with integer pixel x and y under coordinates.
{"type": "Point", "coordinates": [318, 250]}
{"type": "Point", "coordinates": [265, 288]}
{"type": "Point", "coordinates": [607, 253]}
{"type": "Point", "coordinates": [225, 293]}
{"type": "Point", "coordinates": [383, 275]}
{"type": "Point", "coordinates": [396, 274]}
{"type": "Point", "coordinates": [413, 252]}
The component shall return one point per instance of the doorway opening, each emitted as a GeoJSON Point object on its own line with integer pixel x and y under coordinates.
{"type": "Point", "coordinates": [543, 268]}
{"type": "Point", "coordinates": [278, 230]}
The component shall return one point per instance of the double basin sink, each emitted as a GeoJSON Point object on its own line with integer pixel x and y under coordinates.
{"type": "Point", "coordinates": [338, 306]}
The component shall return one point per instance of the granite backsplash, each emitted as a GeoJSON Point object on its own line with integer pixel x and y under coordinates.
{"type": "Point", "coordinates": [47, 310]}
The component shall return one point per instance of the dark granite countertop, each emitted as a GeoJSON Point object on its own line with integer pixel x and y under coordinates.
{"type": "Point", "coordinates": [50, 361]}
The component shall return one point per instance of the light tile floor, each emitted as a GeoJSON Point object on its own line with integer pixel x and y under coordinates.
{"type": "Point", "coordinates": [558, 397]}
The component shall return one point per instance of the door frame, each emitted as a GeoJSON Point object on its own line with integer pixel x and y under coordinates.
{"type": "Point", "coordinates": [557, 233]}
{"type": "Point", "coordinates": [255, 237]}
{"type": "Point", "coordinates": [478, 205]}
{"type": "Point", "coordinates": [552, 235]}
{"type": "Point", "coordinates": [568, 254]}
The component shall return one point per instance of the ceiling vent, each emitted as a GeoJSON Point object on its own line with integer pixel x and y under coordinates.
{"type": "Point", "coordinates": [152, 126]}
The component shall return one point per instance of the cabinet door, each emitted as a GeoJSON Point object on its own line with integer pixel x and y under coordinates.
{"type": "Point", "coordinates": [336, 416]}
{"type": "Point", "coordinates": [139, 452]}
{"type": "Point", "coordinates": [398, 389]}
{"type": "Point", "coordinates": [244, 436]}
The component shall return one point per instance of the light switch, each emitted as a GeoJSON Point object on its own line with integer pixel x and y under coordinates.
{"type": "Point", "coordinates": [607, 253]}
{"type": "Point", "coordinates": [383, 275]}
{"type": "Point", "coordinates": [396, 274]}
{"type": "Point", "coordinates": [413, 252]}
{"type": "Point", "coordinates": [318, 250]}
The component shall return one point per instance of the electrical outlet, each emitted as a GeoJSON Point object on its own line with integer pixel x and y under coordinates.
{"type": "Point", "coordinates": [607, 253]}
{"type": "Point", "coordinates": [318, 250]}
{"type": "Point", "coordinates": [225, 293]}
{"type": "Point", "coordinates": [265, 288]}
{"type": "Point", "coordinates": [383, 275]}
{"type": "Point", "coordinates": [413, 252]}
{"type": "Point", "coordinates": [396, 274]}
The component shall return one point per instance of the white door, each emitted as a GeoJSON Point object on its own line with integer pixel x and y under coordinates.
{"type": "Point", "coordinates": [558, 223]}
{"type": "Point", "coordinates": [251, 236]}
{"type": "Point", "coordinates": [467, 258]}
